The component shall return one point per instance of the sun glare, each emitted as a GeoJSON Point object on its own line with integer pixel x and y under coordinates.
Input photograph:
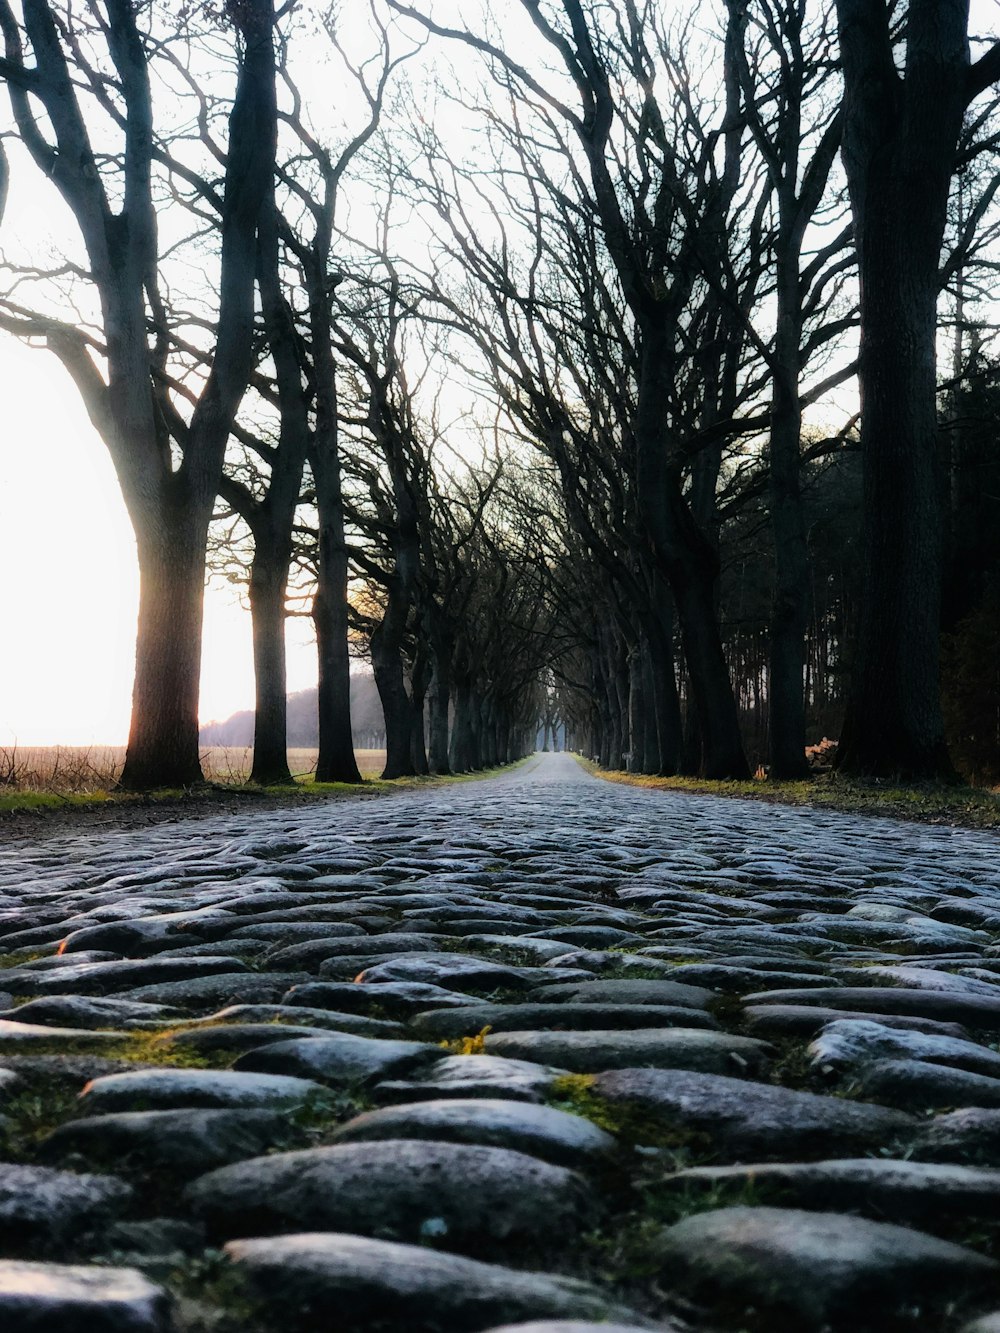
{"type": "Point", "coordinates": [69, 585]}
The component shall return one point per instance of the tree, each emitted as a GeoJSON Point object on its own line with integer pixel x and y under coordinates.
{"type": "Point", "coordinates": [636, 188]}
{"type": "Point", "coordinates": [902, 129]}
{"type": "Point", "coordinates": [780, 72]}
{"type": "Point", "coordinates": [167, 441]}
{"type": "Point", "coordinates": [294, 257]}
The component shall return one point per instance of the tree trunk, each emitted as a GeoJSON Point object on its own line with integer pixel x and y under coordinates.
{"type": "Point", "coordinates": [666, 704]}
{"type": "Point", "coordinates": [637, 709]}
{"type": "Point", "coordinates": [419, 680]}
{"type": "Point", "coordinates": [440, 697]}
{"type": "Point", "coordinates": [163, 739]}
{"type": "Point", "coordinates": [461, 755]}
{"type": "Point", "coordinates": [900, 141]}
{"type": "Point", "coordinates": [711, 689]}
{"type": "Point", "coordinates": [650, 734]}
{"type": "Point", "coordinates": [690, 563]}
{"type": "Point", "coordinates": [894, 726]}
{"type": "Point", "coordinates": [267, 607]}
{"type": "Point", "coordinates": [790, 604]}
{"type": "Point", "coordinates": [387, 665]}
{"type": "Point", "coordinates": [488, 734]}
{"type": "Point", "coordinates": [336, 761]}
{"type": "Point", "coordinates": [475, 733]}
{"type": "Point", "coordinates": [507, 740]}
{"type": "Point", "coordinates": [620, 682]}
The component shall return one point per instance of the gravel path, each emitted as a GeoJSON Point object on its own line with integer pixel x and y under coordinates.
{"type": "Point", "coordinates": [536, 1051]}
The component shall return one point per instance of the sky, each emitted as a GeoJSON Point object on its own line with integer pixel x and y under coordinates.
{"type": "Point", "coordinates": [69, 582]}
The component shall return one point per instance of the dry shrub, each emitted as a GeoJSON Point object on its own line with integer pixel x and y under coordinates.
{"type": "Point", "coordinates": [77, 770]}
{"type": "Point", "coordinates": [65, 769]}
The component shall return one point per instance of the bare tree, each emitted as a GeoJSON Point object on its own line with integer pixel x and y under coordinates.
{"type": "Point", "coordinates": [167, 447]}
{"type": "Point", "coordinates": [902, 130]}
{"type": "Point", "coordinates": [782, 63]}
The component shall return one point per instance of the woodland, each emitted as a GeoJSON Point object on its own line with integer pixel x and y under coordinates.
{"type": "Point", "coordinates": [626, 366]}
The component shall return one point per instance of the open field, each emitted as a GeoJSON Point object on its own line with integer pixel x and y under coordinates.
{"type": "Point", "coordinates": [82, 770]}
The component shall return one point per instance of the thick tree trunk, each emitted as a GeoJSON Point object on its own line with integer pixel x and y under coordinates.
{"type": "Point", "coordinates": [690, 563]}
{"type": "Point", "coordinates": [387, 665]}
{"type": "Point", "coordinates": [336, 761]}
{"type": "Point", "coordinates": [790, 603]}
{"type": "Point", "coordinates": [462, 740]}
{"type": "Point", "coordinates": [666, 704]}
{"type": "Point", "coordinates": [712, 692]}
{"type": "Point", "coordinates": [419, 681]}
{"type": "Point", "coordinates": [900, 141]}
{"type": "Point", "coordinates": [440, 698]}
{"type": "Point", "coordinates": [476, 733]}
{"type": "Point", "coordinates": [163, 739]}
{"type": "Point", "coordinates": [507, 741]}
{"type": "Point", "coordinates": [418, 742]}
{"type": "Point", "coordinates": [267, 607]}
{"type": "Point", "coordinates": [894, 726]}
{"type": "Point", "coordinates": [637, 712]}
{"type": "Point", "coordinates": [488, 734]}
{"type": "Point", "coordinates": [690, 764]}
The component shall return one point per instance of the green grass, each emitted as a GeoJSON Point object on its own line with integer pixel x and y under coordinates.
{"type": "Point", "coordinates": [925, 803]}
{"type": "Point", "coordinates": [303, 789]}
{"type": "Point", "coordinates": [46, 800]}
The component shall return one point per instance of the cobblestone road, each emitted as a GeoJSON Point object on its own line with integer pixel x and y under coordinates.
{"type": "Point", "coordinates": [537, 1052]}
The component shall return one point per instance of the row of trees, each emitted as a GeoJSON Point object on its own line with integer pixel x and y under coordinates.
{"type": "Point", "coordinates": [511, 393]}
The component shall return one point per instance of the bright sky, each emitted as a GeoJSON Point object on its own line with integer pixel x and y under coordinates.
{"type": "Point", "coordinates": [68, 578]}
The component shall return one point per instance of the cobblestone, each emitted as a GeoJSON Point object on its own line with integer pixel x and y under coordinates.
{"type": "Point", "coordinates": [663, 1060]}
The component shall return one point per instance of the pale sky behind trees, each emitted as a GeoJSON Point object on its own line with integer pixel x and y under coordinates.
{"type": "Point", "coordinates": [69, 584]}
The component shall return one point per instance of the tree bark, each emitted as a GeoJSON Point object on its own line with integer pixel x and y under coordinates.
{"type": "Point", "coordinates": [387, 664]}
{"type": "Point", "coordinates": [894, 725]}
{"type": "Point", "coordinates": [163, 743]}
{"type": "Point", "coordinates": [637, 710]}
{"type": "Point", "coordinates": [419, 681]}
{"type": "Point", "coordinates": [666, 705]}
{"type": "Point", "coordinates": [336, 761]}
{"type": "Point", "coordinates": [440, 698]}
{"type": "Point", "coordinates": [900, 142]}
{"type": "Point", "coordinates": [267, 607]}
{"type": "Point", "coordinates": [462, 741]}
{"type": "Point", "coordinates": [691, 565]}
{"type": "Point", "coordinates": [790, 602]}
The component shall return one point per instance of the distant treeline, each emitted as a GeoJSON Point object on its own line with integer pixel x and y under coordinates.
{"type": "Point", "coordinates": [368, 727]}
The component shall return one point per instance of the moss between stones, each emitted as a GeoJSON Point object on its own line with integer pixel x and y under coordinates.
{"type": "Point", "coordinates": [628, 1123]}
{"type": "Point", "coordinates": [793, 1067]}
{"type": "Point", "coordinates": [18, 958]}
{"type": "Point", "coordinates": [153, 1048]}
{"type": "Point", "coordinates": [210, 1296]}
{"type": "Point", "coordinates": [31, 1115]}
